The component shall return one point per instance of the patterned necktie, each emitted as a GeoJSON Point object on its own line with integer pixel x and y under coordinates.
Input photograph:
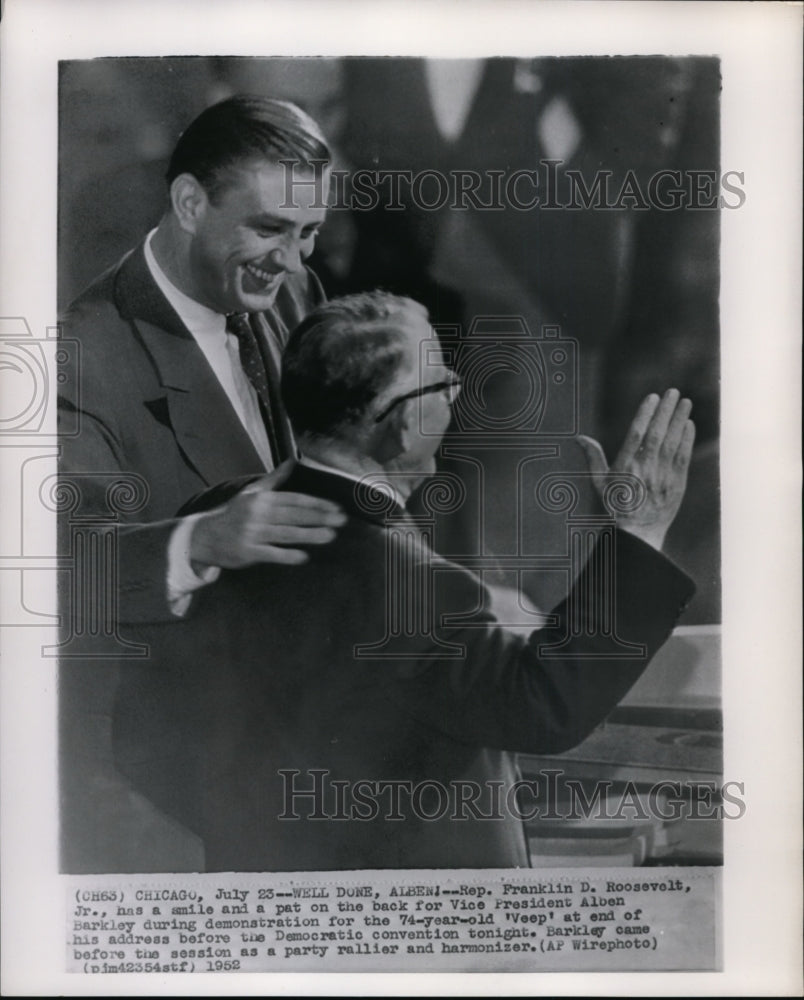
{"type": "Point", "coordinates": [254, 365]}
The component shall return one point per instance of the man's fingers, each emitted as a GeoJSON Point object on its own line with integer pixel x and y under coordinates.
{"type": "Point", "coordinates": [682, 457]}
{"type": "Point", "coordinates": [660, 421]}
{"type": "Point", "coordinates": [302, 500]}
{"type": "Point", "coordinates": [278, 475]}
{"type": "Point", "coordinates": [283, 513]}
{"type": "Point", "coordinates": [294, 508]}
{"type": "Point", "coordinates": [636, 432]}
{"type": "Point", "coordinates": [595, 456]}
{"type": "Point", "coordinates": [291, 534]}
{"type": "Point", "coordinates": [275, 554]}
{"type": "Point", "coordinates": [675, 429]}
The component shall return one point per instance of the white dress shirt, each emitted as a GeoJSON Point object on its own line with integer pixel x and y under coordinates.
{"type": "Point", "coordinates": [221, 350]}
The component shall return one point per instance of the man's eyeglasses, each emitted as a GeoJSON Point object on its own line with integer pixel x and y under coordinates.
{"type": "Point", "coordinates": [450, 387]}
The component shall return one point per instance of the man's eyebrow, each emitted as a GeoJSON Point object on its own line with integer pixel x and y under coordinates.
{"type": "Point", "coordinates": [266, 219]}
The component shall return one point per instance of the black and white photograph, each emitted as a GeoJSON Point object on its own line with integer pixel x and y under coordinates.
{"type": "Point", "coordinates": [383, 434]}
{"type": "Point", "coordinates": [414, 378]}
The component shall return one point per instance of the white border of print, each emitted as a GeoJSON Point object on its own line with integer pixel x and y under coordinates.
{"type": "Point", "coordinates": [760, 48]}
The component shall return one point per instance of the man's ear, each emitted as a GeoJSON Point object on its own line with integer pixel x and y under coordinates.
{"type": "Point", "coordinates": [189, 201]}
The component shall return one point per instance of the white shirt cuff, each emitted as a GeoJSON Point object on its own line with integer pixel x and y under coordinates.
{"type": "Point", "coordinates": [182, 580]}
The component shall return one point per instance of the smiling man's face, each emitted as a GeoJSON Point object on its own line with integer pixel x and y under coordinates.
{"type": "Point", "coordinates": [253, 235]}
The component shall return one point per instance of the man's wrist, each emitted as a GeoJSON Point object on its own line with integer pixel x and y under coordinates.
{"type": "Point", "coordinates": [653, 535]}
{"type": "Point", "coordinates": [200, 547]}
{"type": "Point", "coordinates": [184, 575]}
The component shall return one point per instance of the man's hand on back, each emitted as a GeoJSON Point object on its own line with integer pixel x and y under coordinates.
{"type": "Point", "coordinates": [656, 450]}
{"type": "Point", "coordinates": [262, 525]}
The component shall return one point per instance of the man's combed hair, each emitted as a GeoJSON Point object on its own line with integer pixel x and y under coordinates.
{"type": "Point", "coordinates": [244, 128]}
{"type": "Point", "coordinates": [341, 357]}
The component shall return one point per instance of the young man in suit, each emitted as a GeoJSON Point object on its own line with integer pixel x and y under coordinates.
{"type": "Point", "coordinates": [175, 388]}
{"type": "Point", "coordinates": [161, 390]}
{"type": "Point", "coordinates": [369, 710]}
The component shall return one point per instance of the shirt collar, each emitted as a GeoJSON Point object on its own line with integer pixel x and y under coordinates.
{"type": "Point", "coordinates": [199, 319]}
{"type": "Point", "coordinates": [368, 479]}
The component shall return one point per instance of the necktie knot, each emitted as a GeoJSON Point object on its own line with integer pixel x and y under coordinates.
{"type": "Point", "coordinates": [238, 324]}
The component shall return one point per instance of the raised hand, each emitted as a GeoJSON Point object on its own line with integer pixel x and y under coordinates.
{"type": "Point", "coordinates": [656, 450]}
{"type": "Point", "coordinates": [260, 523]}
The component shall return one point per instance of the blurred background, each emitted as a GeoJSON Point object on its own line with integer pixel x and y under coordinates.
{"type": "Point", "coordinates": [635, 288]}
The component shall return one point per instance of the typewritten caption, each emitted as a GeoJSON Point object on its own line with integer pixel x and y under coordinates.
{"type": "Point", "coordinates": [550, 920]}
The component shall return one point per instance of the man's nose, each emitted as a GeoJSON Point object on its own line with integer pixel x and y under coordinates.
{"type": "Point", "coordinates": [287, 258]}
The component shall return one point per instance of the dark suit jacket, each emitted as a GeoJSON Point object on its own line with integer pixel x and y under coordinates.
{"type": "Point", "coordinates": [149, 404]}
{"type": "Point", "coordinates": [261, 693]}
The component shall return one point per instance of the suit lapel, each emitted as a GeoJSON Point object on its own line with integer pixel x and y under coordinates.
{"type": "Point", "coordinates": [207, 429]}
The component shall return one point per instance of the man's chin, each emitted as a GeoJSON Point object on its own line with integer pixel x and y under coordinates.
{"type": "Point", "coordinates": [258, 301]}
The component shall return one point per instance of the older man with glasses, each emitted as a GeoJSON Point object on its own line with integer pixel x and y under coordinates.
{"type": "Point", "coordinates": [369, 713]}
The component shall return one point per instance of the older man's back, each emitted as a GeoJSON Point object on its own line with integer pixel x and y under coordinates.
{"type": "Point", "coordinates": [271, 730]}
